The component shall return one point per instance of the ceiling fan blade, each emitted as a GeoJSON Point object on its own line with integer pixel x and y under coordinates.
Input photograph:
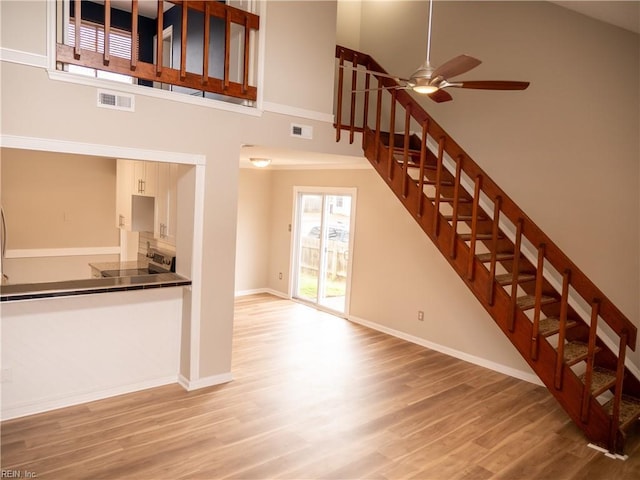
{"type": "Point", "coordinates": [393, 87]}
{"type": "Point", "coordinates": [456, 66]}
{"type": "Point", "coordinates": [491, 85]}
{"type": "Point", "coordinates": [440, 96]}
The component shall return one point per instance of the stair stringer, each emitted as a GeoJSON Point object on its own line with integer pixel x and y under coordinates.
{"type": "Point", "coordinates": [598, 424]}
{"type": "Point", "coordinates": [527, 249]}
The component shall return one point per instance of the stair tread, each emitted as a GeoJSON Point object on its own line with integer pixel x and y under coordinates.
{"type": "Point", "coordinates": [451, 199]}
{"type": "Point", "coordinates": [507, 278]}
{"type": "Point", "coordinates": [629, 410]}
{"type": "Point", "coordinates": [500, 257]}
{"type": "Point", "coordinates": [479, 236]}
{"type": "Point", "coordinates": [551, 325]}
{"type": "Point", "coordinates": [443, 183]}
{"type": "Point", "coordinates": [575, 352]}
{"type": "Point", "coordinates": [602, 379]}
{"type": "Point", "coordinates": [465, 218]}
{"type": "Point", "coordinates": [527, 302]}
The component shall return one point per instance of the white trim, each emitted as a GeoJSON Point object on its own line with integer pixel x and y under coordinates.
{"type": "Point", "coordinates": [497, 367]}
{"type": "Point", "coordinates": [64, 146]}
{"type": "Point", "coordinates": [319, 166]}
{"type": "Point", "coordinates": [189, 385]}
{"type": "Point", "coordinates": [298, 112]}
{"type": "Point", "coordinates": [257, 291]}
{"type": "Point", "coordinates": [196, 273]}
{"type": "Point", "coordinates": [24, 58]}
{"type": "Point", "coordinates": [39, 406]}
{"type": "Point", "coordinates": [61, 252]}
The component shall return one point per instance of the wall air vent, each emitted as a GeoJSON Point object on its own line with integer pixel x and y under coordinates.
{"type": "Point", "coordinates": [117, 101]}
{"type": "Point", "coordinates": [302, 131]}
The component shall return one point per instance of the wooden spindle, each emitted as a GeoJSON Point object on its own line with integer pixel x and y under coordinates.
{"type": "Point", "coordinates": [78, 28]}
{"type": "Point", "coordinates": [538, 301]}
{"type": "Point", "coordinates": [183, 43]}
{"type": "Point", "coordinates": [378, 124]}
{"type": "Point", "coordinates": [392, 135]}
{"type": "Point", "coordinates": [205, 43]}
{"type": "Point", "coordinates": [365, 118]}
{"type": "Point", "coordinates": [354, 87]}
{"type": "Point", "coordinates": [438, 187]}
{"type": "Point", "coordinates": [339, 100]}
{"type": "Point", "coordinates": [106, 56]}
{"type": "Point", "coordinates": [617, 396]}
{"type": "Point", "coordinates": [588, 374]}
{"type": "Point", "coordinates": [564, 306]}
{"type": "Point", "coordinates": [159, 39]}
{"type": "Point", "coordinates": [134, 34]}
{"type": "Point", "coordinates": [423, 157]}
{"type": "Point", "coordinates": [246, 55]}
{"type": "Point", "coordinates": [227, 48]}
{"type": "Point", "coordinates": [495, 230]}
{"type": "Point", "coordinates": [514, 281]}
{"type": "Point", "coordinates": [405, 153]}
{"type": "Point", "coordinates": [454, 219]}
{"type": "Point", "coordinates": [474, 228]}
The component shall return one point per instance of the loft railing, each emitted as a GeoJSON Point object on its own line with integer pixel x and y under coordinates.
{"type": "Point", "coordinates": [243, 23]}
{"type": "Point", "coordinates": [395, 150]}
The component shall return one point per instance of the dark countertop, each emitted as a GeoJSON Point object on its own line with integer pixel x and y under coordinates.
{"type": "Point", "coordinates": [27, 291]}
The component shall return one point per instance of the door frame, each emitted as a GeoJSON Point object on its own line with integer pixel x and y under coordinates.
{"type": "Point", "coordinates": [295, 238]}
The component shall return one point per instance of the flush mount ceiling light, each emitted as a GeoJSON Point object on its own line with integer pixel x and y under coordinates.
{"type": "Point", "coordinates": [260, 162]}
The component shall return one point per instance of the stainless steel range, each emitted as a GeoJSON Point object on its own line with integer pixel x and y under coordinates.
{"type": "Point", "coordinates": [159, 262]}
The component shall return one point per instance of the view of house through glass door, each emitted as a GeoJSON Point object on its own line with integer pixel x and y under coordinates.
{"type": "Point", "coordinates": [322, 247]}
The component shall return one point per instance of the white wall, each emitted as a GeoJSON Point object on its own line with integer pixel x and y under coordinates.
{"type": "Point", "coordinates": [567, 150]}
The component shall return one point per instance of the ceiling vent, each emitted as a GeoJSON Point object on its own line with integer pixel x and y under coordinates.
{"type": "Point", "coordinates": [302, 131]}
{"type": "Point", "coordinates": [117, 101]}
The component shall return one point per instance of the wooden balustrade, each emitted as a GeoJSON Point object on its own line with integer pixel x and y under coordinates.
{"type": "Point", "coordinates": [155, 71]}
{"type": "Point", "coordinates": [469, 179]}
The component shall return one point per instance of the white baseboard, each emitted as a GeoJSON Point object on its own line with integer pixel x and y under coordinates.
{"type": "Point", "coordinates": [257, 291]}
{"type": "Point", "coordinates": [45, 405]}
{"type": "Point", "coordinates": [483, 362]}
{"type": "Point", "coordinates": [189, 385]}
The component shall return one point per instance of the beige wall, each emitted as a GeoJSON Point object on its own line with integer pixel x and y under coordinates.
{"type": "Point", "coordinates": [56, 200]}
{"type": "Point", "coordinates": [396, 269]}
{"type": "Point", "coordinates": [567, 150]}
{"type": "Point", "coordinates": [35, 106]}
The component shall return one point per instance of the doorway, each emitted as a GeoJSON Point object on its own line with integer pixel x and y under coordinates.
{"type": "Point", "coordinates": [323, 245]}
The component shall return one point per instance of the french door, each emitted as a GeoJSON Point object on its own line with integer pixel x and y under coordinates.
{"type": "Point", "coordinates": [323, 243]}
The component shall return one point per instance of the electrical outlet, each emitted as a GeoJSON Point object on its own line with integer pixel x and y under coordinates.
{"type": "Point", "coordinates": [280, 276]}
{"type": "Point", "coordinates": [420, 315]}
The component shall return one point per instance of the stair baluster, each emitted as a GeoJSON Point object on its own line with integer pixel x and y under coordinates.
{"type": "Point", "coordinates": [588, 374]}
{"type": "Point", "coordinates": [378, 120]}
{"type": "Point", "coordinates": [339, 102]}
{"type": "Point", "coordinates": [436, 218]}
{"type": "Point", "coordinates": [392, 134]}
{"type": "Point", "coordinates": [564, 303]}
{"type": "Point", "coordinates": [515, 270]}
{"type": "Point", "coordinates": [365, 116]}
{"type": "Point", "coordinates": [352, 106]}
{"type": "Point", "coordinates": [495, 231]}
{"type": "Point", "coordinates": [423, 158]}
{"type": "Point", "coordinates": [474, 227]}
{"type": "Point", "coordinates": [454, 219]}
{"type": "Point", "coordinates": [405, 153]}
{"type": "Point", "coordinates": [617, 397]}
{"type": "Point", "coordinates": [538, 302]}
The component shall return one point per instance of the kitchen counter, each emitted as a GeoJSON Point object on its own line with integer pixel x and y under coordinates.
{"type": "Point", "coordinates": [29, 291]}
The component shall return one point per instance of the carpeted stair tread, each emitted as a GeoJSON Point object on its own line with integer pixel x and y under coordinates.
{"type": "Point", "coordinates": [629, 410]}
{"type": "Point", "coordinates": [507, 278]}
{"type": "Point", "coordinates": [527, 302]}
{"type": "Point", "coordinates": [551, 325]}
{"type": "Point", "coordinates": [500, 257]}
{"type": "Point", "coordinates": [602, 379]}
{"type": "Point", "coordinates": [575, 352]}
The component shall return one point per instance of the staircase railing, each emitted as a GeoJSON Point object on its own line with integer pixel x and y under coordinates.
{"type": "Point", "coordinates": [154, 70]}
{"type": "Point", "coordinates": [426, 168]}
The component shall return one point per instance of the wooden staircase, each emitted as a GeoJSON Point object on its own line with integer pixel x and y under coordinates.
{"type": "Point", "coordinates": [544, 304]}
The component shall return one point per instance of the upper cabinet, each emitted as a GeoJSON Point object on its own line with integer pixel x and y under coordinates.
{"type": "Point", "coordinates": [145, 178]}
{"type": "Point", "coordinates": [166, 203]}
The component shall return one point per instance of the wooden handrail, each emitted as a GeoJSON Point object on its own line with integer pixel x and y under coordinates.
{"type": "Point", "coordinates": [554, 256]}
{"type": "Point", "coordinates": [154, 71]}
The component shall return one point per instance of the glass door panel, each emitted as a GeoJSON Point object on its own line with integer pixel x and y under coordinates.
{"type": "Point", "coordinates": [308, 248]}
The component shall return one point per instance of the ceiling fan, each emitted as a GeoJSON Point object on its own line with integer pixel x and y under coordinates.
{"type": "Point", "coordinates": [432, 81]}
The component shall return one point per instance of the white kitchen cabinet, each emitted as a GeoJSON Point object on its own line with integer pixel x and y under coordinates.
{"type": "Point", "coordinates": [166, 202]}
{"type": "Point", "coordinates": [134, 206]}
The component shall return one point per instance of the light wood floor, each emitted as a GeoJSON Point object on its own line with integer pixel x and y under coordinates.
{"type": "Point", "coordinates": [315, 396]}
